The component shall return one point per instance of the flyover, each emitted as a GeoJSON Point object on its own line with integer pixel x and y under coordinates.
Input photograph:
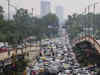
{"type": "Point", "coordinates": [95, 43]}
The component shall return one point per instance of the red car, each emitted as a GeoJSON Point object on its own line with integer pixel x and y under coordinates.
{"type": "Point", "coordinates": [3, 49]}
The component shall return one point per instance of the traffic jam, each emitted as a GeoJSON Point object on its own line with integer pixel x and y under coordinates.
{"type": "Point", "coordinates": [57, 59]}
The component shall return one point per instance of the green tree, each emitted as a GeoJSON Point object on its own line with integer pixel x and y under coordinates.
{"type": "Point", "coordinates": [23, 22]}
{"type": "Point", "coordinates": [49, 20]}
{"type": "Point", "coordinates": [26, 24]}
{"type": "Point", "coordinates": [1, 12]}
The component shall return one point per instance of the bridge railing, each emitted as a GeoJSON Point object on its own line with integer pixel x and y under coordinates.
{"type": "Point", "coordinates": [91, 40]}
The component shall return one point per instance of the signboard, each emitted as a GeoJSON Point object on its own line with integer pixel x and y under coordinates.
{"type": "Point", "coordinates": [52, 26]}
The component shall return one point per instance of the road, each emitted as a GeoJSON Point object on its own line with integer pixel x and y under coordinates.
{"type": "Point", "coordinates": [33, 52]}
{"type": "Point", "coordinates": [62, 62]}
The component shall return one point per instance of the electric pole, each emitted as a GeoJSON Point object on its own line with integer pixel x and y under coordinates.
{"type": "Point", "coordinates": [32, 12]}
{"type": "Point", "coordinates": [8, 10]}
{"type": "Point", "coordinates": [94, 11]}
{"type": "Point", "coordinates": [8, 23]}
{"type": "Point", "coordinates": [94, 20]}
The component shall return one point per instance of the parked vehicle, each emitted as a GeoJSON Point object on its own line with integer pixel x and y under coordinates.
{"type": "Point", "coordinates": [3, 49]}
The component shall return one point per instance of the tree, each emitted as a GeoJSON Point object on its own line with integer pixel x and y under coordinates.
{"type": "Point", "coordinates": [78, 23]}
{"type": "Point", "coordinates": [52, 21]}
{"type": "Point", "coordinates": [2, 25]}
{"type": "Point", "coordinates": [86, 53]}
{"type": "Point", "coordinates": [26, 24]}
{"type": "Point", "coordinates": [1, 12]}
{"type": "Point", "coordinates": [23, 22]}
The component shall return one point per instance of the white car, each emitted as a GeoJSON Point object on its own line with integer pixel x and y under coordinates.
{"type": "Point", "coordinates": [19, 46]}
{"type": "Point", "coordinates": [76, 71]}
{"type": "Point", "coordinates": [67, 72]}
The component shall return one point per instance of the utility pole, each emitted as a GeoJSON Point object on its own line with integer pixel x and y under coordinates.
{"type": "Point", "coordinates": [8, 10]}
{"type": "Point", "coordinates": [8, 22]}
{"type": "Point", "coordinates": [94, 11]}
{"type": "Point", "coordinates": [32, 12]}
{"type": "Point", "coordinates": [88, 25]}
{"type": "Point", "coordinates": [94, 20]}
{"type": "Point", "coordinates": [89, 19]}
{"type": "Point", "coordinates": [85, 11]}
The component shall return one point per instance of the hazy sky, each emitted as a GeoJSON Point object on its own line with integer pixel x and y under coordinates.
{"type": "Point", "coordinates": [70, 6]}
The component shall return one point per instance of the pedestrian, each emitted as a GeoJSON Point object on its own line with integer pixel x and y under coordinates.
{"type": "Point", "coordinates": [98, 73]}
{"type": "Point", "coordinates": [41, 71]}
{"type": "Point", "coordinates": [32, 73]}
{"type": "Point", "coordinates": [52, 52]}
{"type": "Point", "coordinates": [40, 53]}
{"type": "Point", "coordinates": [54, 58]}
{"type": "Point", "coordinates": [46, 72]}
{"type": "Point", "coordinates": [53, 74]}
{"type": "Point", "coordinates": [37, 58]}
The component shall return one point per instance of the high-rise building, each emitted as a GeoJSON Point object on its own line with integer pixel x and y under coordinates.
{"type": "Point", "coordinates": [60, 13]}
{"type": "Point", "coordinates": [45, 7]}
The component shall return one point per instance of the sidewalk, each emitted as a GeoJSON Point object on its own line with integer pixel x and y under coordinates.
{"type": "Point", "coordinates": [32, 54]}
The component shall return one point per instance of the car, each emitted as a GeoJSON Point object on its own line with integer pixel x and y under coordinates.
{"type": "Point", "coordinates": [3, 49]}
{"type": "Point", "coordinates": [84, 73]}
{"type": "Point", "coordinates": [10, 47]}
{"type": "Point", "coordinates": [59, 52]}
{"type": "Point", "coordinates": [68, 71]}
{"type": "Point", "coordinates": [76, 71]}
{"type": "Point", "coordinates": [20, 46]}
{"type": "Point", "coordinates": [75, 67]}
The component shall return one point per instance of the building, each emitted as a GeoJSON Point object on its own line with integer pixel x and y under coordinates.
{"type": "Point", "coordinates": [45, 7]}
{"type": "Point", "coordinates": [60, 14]}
